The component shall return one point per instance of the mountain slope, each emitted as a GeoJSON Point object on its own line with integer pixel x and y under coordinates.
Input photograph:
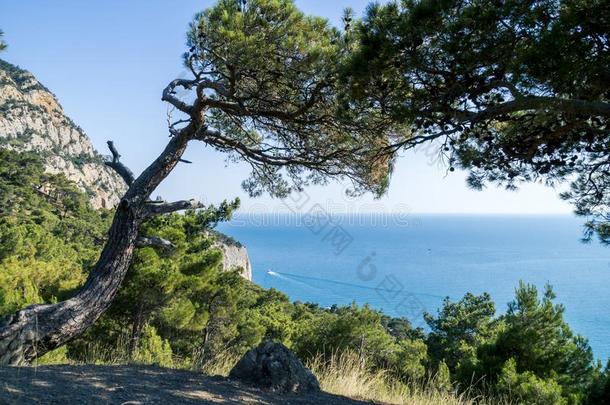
{"type": "Point", "coordinates": [31, 119]}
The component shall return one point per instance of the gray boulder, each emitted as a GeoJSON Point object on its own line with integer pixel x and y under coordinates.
{"type": "Point", "coordinates": [272, 366]}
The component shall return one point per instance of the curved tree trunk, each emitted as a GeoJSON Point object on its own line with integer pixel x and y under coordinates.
{"type": "Point", "coordinates": [37, 329]}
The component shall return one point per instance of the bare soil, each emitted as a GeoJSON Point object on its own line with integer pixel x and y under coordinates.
{"type": "Point", "coordinates": [130, 385]}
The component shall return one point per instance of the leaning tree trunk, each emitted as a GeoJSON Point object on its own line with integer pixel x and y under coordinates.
{"type": "Point", "coordinates": [37, 329]}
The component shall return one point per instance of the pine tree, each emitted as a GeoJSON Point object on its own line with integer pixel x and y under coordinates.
{"type": "Point", "coordinates": [513, 92]}
{"type": "Point", "coordinates": [2, 43]}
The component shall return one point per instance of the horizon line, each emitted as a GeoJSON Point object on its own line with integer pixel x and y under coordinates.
{"type": "Point", "coordinates": [410, 213]}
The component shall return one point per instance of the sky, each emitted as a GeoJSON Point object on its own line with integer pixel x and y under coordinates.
{"type": "Point", "coordinates": [108, 61]}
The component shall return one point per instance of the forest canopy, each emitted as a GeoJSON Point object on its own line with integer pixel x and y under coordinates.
{"type": "Point", "coordinates": [512, 91]}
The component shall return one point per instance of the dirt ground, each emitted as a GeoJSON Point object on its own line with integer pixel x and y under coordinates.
{"type": "Point", "coordinates": [130, 385]}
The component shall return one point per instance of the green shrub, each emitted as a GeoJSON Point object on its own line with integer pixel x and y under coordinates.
{"type": "Point", "coordinates": [527, 389]}
{"type": "Point", "coordinates": [153, 349]}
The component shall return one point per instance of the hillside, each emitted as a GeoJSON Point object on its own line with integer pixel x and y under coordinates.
{"type": "Point", "coordinates": [32, 119]}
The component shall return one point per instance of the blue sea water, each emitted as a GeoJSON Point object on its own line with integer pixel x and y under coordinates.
{"type": "Point", "coordinates": [406, 265]}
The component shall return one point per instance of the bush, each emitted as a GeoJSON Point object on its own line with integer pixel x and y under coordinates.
{"type": "Point", "coordinates": [153, 349]}
{"type": "Point", "coordinates": [528, 389]}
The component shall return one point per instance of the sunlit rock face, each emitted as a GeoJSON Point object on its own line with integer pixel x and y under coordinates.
{"type": "Point", "coordinates": [235, 255]}
{"type": "Point", "coordinates": [31, 119]}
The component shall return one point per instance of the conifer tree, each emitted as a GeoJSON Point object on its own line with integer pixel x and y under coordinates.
{"type": "Point", "coordinates": [2, 43]}
{"type": "Point", "coordinates": [512, 91]}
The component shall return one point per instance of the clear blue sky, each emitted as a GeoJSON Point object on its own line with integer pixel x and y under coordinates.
{"type": "Point", "coordinates": [107, 61]}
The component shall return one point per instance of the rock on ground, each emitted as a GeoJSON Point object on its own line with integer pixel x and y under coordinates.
{"type": "Point", "coordinates": [272, 366]}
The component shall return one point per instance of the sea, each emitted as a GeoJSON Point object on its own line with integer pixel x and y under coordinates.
{"type": "Point", "coordinates": [406, 264]}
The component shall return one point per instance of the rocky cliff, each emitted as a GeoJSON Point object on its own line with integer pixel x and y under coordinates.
{"type": "Point", "coordinates": [235, 255]}
{"type": "Point", "coordinates": [31, 119]}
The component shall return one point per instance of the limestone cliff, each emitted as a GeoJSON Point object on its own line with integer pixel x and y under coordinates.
{"type": "Point", "coordinates": [235, 255]}
{"type": "Point", "coordinates": [31, 119]}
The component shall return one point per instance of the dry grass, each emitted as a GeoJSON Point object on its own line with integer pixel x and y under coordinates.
{"type": "Point", "coordinates": [343, 375]}
{"type": "Point", "coordinates": [221, 365]}
{"type": "Point", "coordinates": [100, 354]}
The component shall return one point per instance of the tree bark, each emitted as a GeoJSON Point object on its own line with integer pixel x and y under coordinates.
{"type": "Point", "coordinates": [38, 329]}
{"type": "Point", "coordinates": [136, 330]}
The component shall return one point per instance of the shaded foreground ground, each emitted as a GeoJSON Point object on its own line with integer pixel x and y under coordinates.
{"type": "Point", "coordinates": [136, 385]}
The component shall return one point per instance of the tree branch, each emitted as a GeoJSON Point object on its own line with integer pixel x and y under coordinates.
{"type": "Point", "coordinates": [217, 87]}
{"type": "Point", "coordinates": [154, 242]}
{"type": "Point", "coordinates": [259, 156]}
{"type": "Point", "coordinates": [119, 167]}
{"type": "Point", "coordinates": [162, 207]}
{"type": "Point", "coordinates": [571, 106]}
{"type": "Point", "coordinates": [170, 91]}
